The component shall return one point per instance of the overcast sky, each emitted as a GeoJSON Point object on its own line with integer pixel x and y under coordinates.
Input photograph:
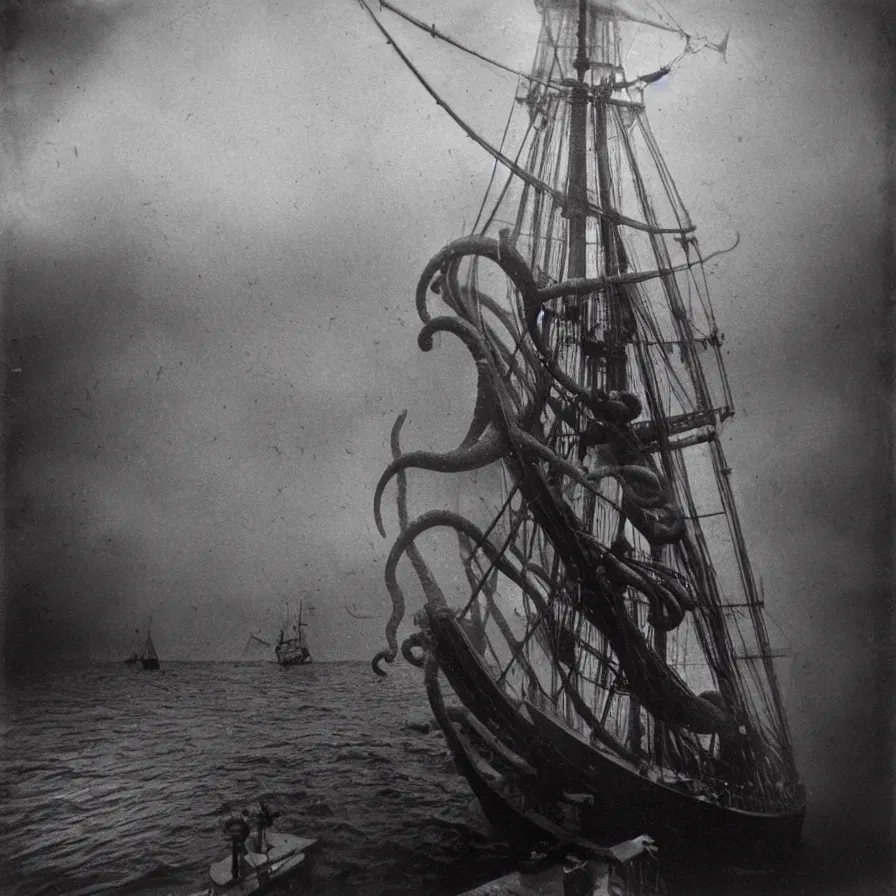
{"type": "Point", "coordinates": [214, 217]}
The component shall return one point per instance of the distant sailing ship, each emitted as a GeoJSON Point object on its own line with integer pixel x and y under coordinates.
{"type": "Point", "coordinates": [610, 652]}
{"type": "Point", "coordinates": [148, 659]}
{"type": "Point", "coordinates": [291, 648]}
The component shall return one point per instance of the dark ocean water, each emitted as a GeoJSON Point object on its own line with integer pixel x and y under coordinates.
{"type": "Point", "coordinates": [116, 780]}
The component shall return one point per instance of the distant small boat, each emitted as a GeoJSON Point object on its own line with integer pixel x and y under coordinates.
{"type": "Point", "coordinates": [133, 658]}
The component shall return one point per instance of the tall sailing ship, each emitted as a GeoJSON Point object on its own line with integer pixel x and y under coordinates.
{"type": "Point", "coordinates": [609, 660]}
{"type": "Point", "coordinates": [291, 648]}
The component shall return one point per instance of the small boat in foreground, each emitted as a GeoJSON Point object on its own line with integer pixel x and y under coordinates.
{"type": "Point", "coordinates": [259, 858]}
{"type": "Point", "coordinates": [285, 856]}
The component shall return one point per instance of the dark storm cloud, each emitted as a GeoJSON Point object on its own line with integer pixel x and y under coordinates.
{"type": "Point", "coordinates": [47, 46]}
{"type": "Point", "coordinates": [44, 26]}
{"type": "Point", "coordinates": [51, 43]}
{"type": "Point", "coordinates": [65, 316]}
{"type": "Point", "coordinates": [137, 430]}
{"type": "Point", "coordinates": [199, 410]}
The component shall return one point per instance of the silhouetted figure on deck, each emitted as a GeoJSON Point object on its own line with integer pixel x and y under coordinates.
{"type": "Point", "coordinates": [264, 818]}
{"type": "Point", "coordinates": [237, 829]}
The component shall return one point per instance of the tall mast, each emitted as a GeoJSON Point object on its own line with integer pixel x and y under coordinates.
{"type": "Point", "coordinates": [577, 190]}
{"type": "Point", "coordinates": [616, 377]}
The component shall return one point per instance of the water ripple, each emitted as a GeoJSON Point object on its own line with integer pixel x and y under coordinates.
{"type": "Point", "coordinates": [116, 780]}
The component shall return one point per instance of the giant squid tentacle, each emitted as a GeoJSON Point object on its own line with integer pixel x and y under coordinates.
{"type": "Point", "coordinates": [511, 262]}
{"type": "Point", "coordinates": [627, 475]}
{"type": "Point", "coordinates": [668, 577]}
{"type": "Point", "coordinates": [491, 381]}
{"type": "Point", "coordinates": [456, 301]}
{"type": "Point", "coordinates": [660, 525]}
{"type": "Point", "coordinates": [668, 600]}
{"type": "Point", "coordinates": [666, 613]}
{"type": "Point", "coordinates": [623, 406]}
{"type": "Point", "coordinates": [623, 474]}
{"type": "Point", "coordinates": [455, 521]}
{"type": "Point", "coordinates": [419, 564]}
{"type": "Point", "coordinates": [636, 477]}
{"type": "Point", "coordinates": [448, 287]}
{"type": "Point", "coordinates": [431, 590]}
{"type": "Point", "coordinates": [661, 691]}
{"type": "Point", "coordinates": [654, 514]}
{"type": "Point", "coordinates": [488, 450]}
{"type": "Point", "coordinates": [481, 410]}
{"type": "Point", "coordinates": [491, 446]}
{"type": "Point", "coordinates": [467, 456]}
{"type": "Point", "coordinates": [566, 414]}
{"type": "Point", "coordinates": [463, 300]}
{"type": "Point", "coordinates": [415, 639]}
{"type": "Point", "coordinates": [515, 267]}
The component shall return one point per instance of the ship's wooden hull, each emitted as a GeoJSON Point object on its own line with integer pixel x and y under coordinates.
{"type": "Point", "coordinates": [503, 789]}
{"type": "Point", "coordinates": [476, 688]}
{"type": "Point", "coordinates": [150, 663]}
{"type": "Point", "coordinates": [621, 803]}
{"type": "Point", "coordinates": [681, 822]}
{"type": "Point", "coordinates": [287, 657]}
{"type": "Point", "coordinates": [502, 797]}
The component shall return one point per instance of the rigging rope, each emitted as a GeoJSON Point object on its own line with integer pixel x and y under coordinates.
{"type": "Point", "coordinates": [592, 209]}
{"type": "Point", "coordinates": [432, 30]}
{"type": "Point", "coordinates": [495, 169]}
